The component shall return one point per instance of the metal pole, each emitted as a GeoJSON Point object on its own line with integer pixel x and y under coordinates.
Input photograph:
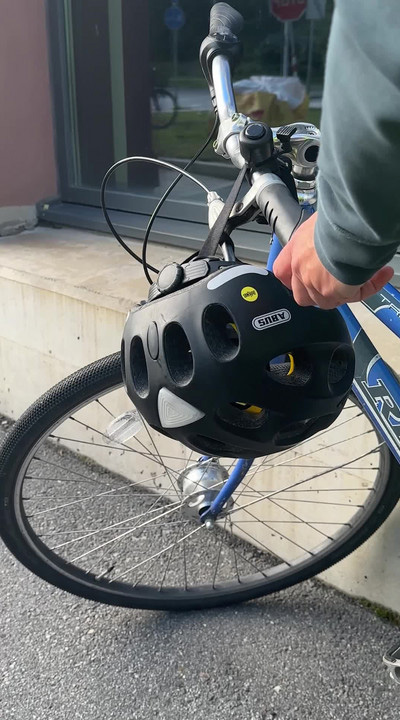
{"type": "Point", "coordinates": [175, 53]}
{"type": "Point", "coordinates": [286, 32]}
{"type": "Point", "coordinates": [293, 58]}
{"type": "Point", "coordinates": [310, 54]}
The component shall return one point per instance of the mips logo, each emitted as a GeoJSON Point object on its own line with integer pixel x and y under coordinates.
{"type": "Point", "coordinates": [249, 294]}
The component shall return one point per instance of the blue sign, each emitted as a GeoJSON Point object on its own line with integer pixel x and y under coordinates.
{"type": "Point", "coordinates": [174, 17]}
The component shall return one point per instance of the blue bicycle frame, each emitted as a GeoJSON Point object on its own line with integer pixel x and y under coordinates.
{"type": "Point", "coordinates": [374, 385]}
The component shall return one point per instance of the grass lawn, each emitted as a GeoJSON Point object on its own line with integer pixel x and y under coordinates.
{"type": "Point", "coordinates": [188, 132]}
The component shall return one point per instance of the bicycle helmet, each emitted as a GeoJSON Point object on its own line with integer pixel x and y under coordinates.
{"type": "Point", "coordinates": [230, 365]}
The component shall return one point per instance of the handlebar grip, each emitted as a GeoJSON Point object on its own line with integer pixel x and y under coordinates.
{"type": "Point", "coordinates": [224, 18]}
{"type": "Point", "coordinates": [280, 209]}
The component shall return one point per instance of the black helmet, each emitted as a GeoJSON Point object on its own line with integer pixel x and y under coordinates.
{"type": "Point", "coordinates": [231, 365]}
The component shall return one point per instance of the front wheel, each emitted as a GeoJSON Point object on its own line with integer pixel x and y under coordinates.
{"type": "Point", "coordinates": [114, 522]}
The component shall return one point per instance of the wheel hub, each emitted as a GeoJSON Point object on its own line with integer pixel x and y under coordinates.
{"type": "Point", "coordinates": [200, 484]}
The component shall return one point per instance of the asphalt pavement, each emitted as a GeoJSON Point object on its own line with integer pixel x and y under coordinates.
{"type": "Point", "coordinates": [306, 653]}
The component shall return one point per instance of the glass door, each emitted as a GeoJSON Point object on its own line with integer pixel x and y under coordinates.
{"type": "Point", "coordinates": [127, 81]}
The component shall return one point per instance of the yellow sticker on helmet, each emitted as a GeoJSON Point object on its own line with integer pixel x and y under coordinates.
{"type": "Point", "coordinates": [249, 294]}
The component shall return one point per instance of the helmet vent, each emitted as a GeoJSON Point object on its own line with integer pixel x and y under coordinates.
{"type": "Point", "coordinates": [243, 415]}
{"type": "Point", "coordinates": [290, 370]}
{"type": "Point", "coordinates": [138, 365]}
{"type": "Point", "coordinates": [210, 446]}
{"type": "Point", "coordinates": [220, 333]}
{"type": "Point", "coordinates": [178, 354]}
{"type": "Point", "coordinates": [339, 365]}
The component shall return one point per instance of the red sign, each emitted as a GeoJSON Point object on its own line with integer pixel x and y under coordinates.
{"type": "Point", "coordinates": [288, 9]}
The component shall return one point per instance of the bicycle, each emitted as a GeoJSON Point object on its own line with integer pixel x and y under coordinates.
{"type": "Point", "coordinates": [169, 531]}
{"type": "Point", "coordinates": [163, 106]}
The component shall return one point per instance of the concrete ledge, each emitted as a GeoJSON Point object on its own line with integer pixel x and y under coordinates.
{"type": "Point", "coordinates": [65, 294]}
{"type": "Point", "coordinates": [14, 220]}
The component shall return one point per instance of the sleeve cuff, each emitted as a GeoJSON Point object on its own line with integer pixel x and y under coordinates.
{"type": "Point", "coordinates": [347, 258]}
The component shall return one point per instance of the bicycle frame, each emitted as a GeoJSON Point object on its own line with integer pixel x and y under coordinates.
{"type": "Point", "coordinates": [374, 385]}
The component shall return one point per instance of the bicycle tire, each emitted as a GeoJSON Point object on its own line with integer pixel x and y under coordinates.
{"type": "Point", "coordinates": [29, 435]}
{"type": "Point", "coordinates": [167, 117]}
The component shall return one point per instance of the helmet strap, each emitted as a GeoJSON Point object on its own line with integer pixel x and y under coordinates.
{"type": "Point", "coordinates": [218, 230]}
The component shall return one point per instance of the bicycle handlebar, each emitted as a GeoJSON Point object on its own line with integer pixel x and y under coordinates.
{"type": "Point", "coordinates": [224, 97]}
{"type": "Point", "coordinates": [282, 212]}
{"type": "Point", "coordinates": [225, 19]}
{"type": "Point", "coordinates": [274, 199]}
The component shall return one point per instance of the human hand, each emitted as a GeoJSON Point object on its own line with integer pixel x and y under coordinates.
{"type": "Point", "coordinates": [300, 269]}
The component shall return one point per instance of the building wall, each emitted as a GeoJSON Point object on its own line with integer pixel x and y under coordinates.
{"type": "Point", "coordinates": [27, 168]}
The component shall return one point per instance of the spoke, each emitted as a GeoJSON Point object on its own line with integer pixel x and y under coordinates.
{"type": "Point", "coordinates": [263, 522]}
{"type": "Point", "coordinates": [189, 460]}
{"type": "Point", "coordinates": [117, 524]}
{"type": "Point", "coordinates": [219, 554]}
{"type": "Point", "coordinates": [262, 467]}
{"type": "Point", "coordinates": [234, 551]}
{"type": "Point", "coordinates": [159, 553]}
{"type": "Point", "coordinates": [99, 432]}
{"type": "Point", "coordinates": [300, 482]}
{"type": "Point", "coordinates": [151, 509]}
{"type": "Point", "coordinates": [184, 547]}
{"type": "Point", "coordinates": [314, 466]}
{"type": "Point", "coordinates": [259, 493]}
{"type": "Point", "coordinates": [304, 522]}
{"type": "Point", "coordinates": [86, 442]}
{"type": "Point", "coordinates": [60, 467]}
{"type": "Point", "coordinates": [156, 450]}
{"type": "Point", "coordinates": [70, 480]}
{"type": "Point", "coordinates": [291, 522]}
{"type": "Point", "coordinates": [317, 436]}
{"type": "Point", "coordinates": [121, 536]}
{"type": "Point", "coordinates": [172, 509]}
{"type": "Point", "coordinates": [167, 567]}
{"type": "Point", "coordinates": [323, 490]}
{"type": "Point", "coordinates": [102, 530]}
{"type": "Point", "coordinates": [313, 477]}
{"type": "Point", "coordinates": [327, 430]}
{"type": "Point", "coordinates": [88, 497]}
{"type": "Point", "coordinates": [121, 450]}
{"type": "Point", "coordinates": [321, 502]}
{"type": "Point", "coordinates": [184, 563]}
{"type": "Point", "coordinates": [115, 493]}
{"type": "Point", "coordinates": [105, 408]}
{"type": "Point", "coordinates": [246, 560]}
{"type": "Point", "coordinates": [147, 450]}
{"type": "Point", "coordinates": [146, 571]}
{"type": "Point", "coordinates": [110, 527]}
{"type": "Point", "coordinates": [256, 543]}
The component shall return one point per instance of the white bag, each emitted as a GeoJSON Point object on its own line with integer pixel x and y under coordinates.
{"type": "Point", "coordinates": [288, 89]}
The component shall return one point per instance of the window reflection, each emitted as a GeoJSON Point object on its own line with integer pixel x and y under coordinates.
{"type": "Point", "coordinates": [135, 85]}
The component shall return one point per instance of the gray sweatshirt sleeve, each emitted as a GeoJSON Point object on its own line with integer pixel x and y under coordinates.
{"type": "Point", "coordinates": [358, 226]}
